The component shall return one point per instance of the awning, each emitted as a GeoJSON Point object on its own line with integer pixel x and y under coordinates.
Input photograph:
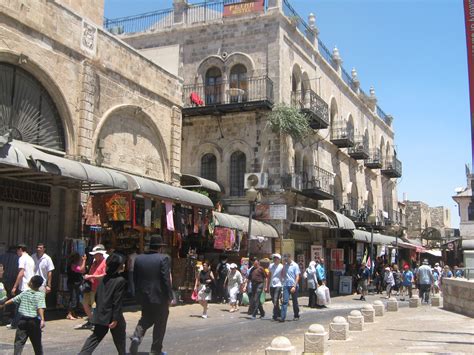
{"type": "Point", "coordinates": [405, 245]}
{"type": "Point", "coordinates": [326, 219]}
{"type": "Point", "coordinates": [436, 253]}
{"type": "Point", "coordinates": [192, 181]}
{"type": "Point", "coordinates": [168, 192]}
{"type": "Point", "coordinates": [259, 229]}
{"type": "Point", "coordinates": [380, 239]}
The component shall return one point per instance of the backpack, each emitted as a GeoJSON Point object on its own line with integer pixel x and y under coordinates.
{"type": "Point", "coordinates": [223, 271]}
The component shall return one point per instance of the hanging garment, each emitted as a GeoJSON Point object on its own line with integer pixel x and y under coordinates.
{"type": "Point", "coordinates": [169, 216]}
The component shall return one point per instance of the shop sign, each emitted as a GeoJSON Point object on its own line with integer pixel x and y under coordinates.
{"type": "Point", "coordinates": [244, 7]}
{"type": "Point", "coordinates": [266, 212]}
{"type": "Point", "coordinates": [450, 246]}
{"type": "Point", "coordinates": [337, 259]}
{"type": "Point", "coordinates": [301, 261]}
{"type": "Point", "coordinates": [316, 252]}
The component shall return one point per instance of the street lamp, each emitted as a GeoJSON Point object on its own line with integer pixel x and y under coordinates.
{"type": "Point", "coordinates": [252, 197]}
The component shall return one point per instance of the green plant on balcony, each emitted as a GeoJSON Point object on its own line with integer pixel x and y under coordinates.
{"type": "Point", "coordinates": [294, 20]}
{"type": "Point", "coordinates": [289, 120]}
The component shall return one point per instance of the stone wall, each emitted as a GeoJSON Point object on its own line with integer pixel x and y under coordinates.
{"type": "Point", "coordinates": [458, 295]}
{"type": "Point", "coordinates": [418, 217]}
{"type": "Point", "coordinates": [90, 9]}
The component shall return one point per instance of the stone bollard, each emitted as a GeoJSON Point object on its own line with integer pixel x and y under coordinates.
{"type": "Point", "coordinates": [379, 308]}
{"type": "Point", "coordinates": [356, 321]}
{"type": "Point", "coordinates": [280, 346]}
{"type": "Point", "coordinates": [368, 312]}
{"type": "Point", "coordinates": [436, 300]}
{"type": "Point", "coordinates": [315, 340]}
{"type": "Point", "coordinates": [414, 301]}
{"type": "Point", "coordinates": [392, 305]}
{"type": "Point", "coordinates": [338, 329]}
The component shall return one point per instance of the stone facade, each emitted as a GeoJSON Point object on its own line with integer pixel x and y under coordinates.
{"type": "Point", "coordinates": [118, 109]}
{"type": "Point", "coordinates": [418, 218]}
{"type": "Point", "coordinates": [458, 295]}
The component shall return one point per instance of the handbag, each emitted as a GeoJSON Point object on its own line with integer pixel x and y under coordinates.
{"type": "Point", "coordinates": [245, 299]}
{"type": "Point", "coordinates": [85, 286]}
{"type": "Point", "coordinates": [262, 297]}
{"type": "Point", "coordinates": [194, 295]}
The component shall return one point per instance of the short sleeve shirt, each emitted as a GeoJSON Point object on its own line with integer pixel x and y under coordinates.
{"type": "Point", "coordinates": [29, 302]}
{"type": "Point", "coordinates": [97, 269]}
{"type": "Point", "coordinates": [43, 266]}
{"type": "Point", "coordinates": [28, 265]}
{"type": "Point", "coordinates": [407, 278]}
{"type": "Point", "coordinates": [289, 274]}
{"type": "Point", "coordinates": [275, 275]}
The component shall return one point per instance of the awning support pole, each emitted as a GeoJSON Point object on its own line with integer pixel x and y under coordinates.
{"type": "Point", "coordinates": [371, 250]}
{"type": "Point", "coordinates": [250, 228]}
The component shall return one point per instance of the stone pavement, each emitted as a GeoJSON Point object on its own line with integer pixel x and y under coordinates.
{"type": "Point", "coordinates": [419, 330]}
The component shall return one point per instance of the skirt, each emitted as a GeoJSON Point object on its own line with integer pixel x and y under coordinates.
{"type": "Point", "coordinates": [233, 293]}
{"type": "Point", "coordinates": [203, 295]}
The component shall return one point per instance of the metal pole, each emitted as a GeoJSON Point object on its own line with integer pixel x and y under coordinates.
{"type": "Point", "coordinates": [250, 229]}
{"type": "Point", "coordinates": [396, 248]}
{"type": "Point", "coordinates": [371, 249]}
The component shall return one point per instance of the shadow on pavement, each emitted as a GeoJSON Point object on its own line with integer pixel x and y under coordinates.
{"type": "Point", "coordinates": [442, 342]}
{"type": "Point", "coordinates": [431, 331]}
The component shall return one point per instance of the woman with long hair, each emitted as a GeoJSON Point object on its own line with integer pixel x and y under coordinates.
{"type": "Point", "coordinates": [76, 266]}
{"type": "Point", "coordinates": [204, 280]}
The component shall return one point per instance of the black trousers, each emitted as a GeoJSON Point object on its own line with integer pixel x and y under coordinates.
{"type": "Point", "coordinates": [155, 315]}
{"type": "Point", "coordinates": [257, 290]}
{"type": "Point", "coordinates": [28, 328]}
{"type": "Point", "coordinates": [311, 297]}
{"type": "Point", "coordinates": [100, 331]}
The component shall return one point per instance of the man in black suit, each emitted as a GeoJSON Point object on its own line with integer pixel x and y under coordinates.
{"type": "Point", "coordinates": [153, 292]}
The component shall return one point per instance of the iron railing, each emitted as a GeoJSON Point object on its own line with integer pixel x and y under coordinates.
{"type": "Point", "coordinates": [361, 146]}
{"type": "Point", "coordinates": [375, 159]}
{"type": "Point", "coordinates": [149, 21]}
{"type": "Point", "coordinates": [251, 90]}
{"type": "Point", "coordinates": [321, 179]}
{"type": "Point", "coordinates": [383, 116]}
{"type": "Point", "coordinates": [393, 166]}
{"type": "Point", "coordinates": [342, 133]}
{"type": "Point", "coordinates": [347, 78]}
{"type": "Point", "coordinates": [297, 21]}
{"type": "Point", "coordinates": [308, 100]}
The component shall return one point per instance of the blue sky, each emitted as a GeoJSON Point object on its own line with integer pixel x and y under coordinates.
{"type": "Point", "coordinates": [414, 54]}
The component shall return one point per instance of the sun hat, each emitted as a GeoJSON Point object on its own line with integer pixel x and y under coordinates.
{"type": "Point", "coordinates": [387, 269]}
{"type": "Point", "coordinates": [98, 249]}
{"type": "Point", "coordinates": [276, 255]}
{"type": "Point", "coordinates": [233, 266]}
{"type": "Point", "coordinates": [425, 262]}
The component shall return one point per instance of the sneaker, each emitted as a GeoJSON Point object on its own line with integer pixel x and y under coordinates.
{"type": "Point", "coordinates": [204, 316]}
{"type": "Point", "coordinates": [253, 318]}
{"type": "Point", "coordinates": [10, 326]}
{"type": "Point", "coordinates": [135, 342]}
{"type": "Point", "coordinates": [86, 325]}
{"type": "Point", "coordinates": [296, 318]}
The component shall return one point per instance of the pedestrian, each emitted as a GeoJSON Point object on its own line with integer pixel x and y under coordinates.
{"type": "Point", "coordinates": [407, 280]}
{"type": "Point", "coordinates": [312, 280]}
{"type": "Point", "coordinates": [447, 273]}
{"type": "Point", "coordinates": [425, 280]}
{"type": "Point", "coordinates": [233, 282]}
{"type": "Point", "coordinates": [321, 272]}
{"type": "Point", "coordinates": [458, 271]}
{"type": "Point", "coordinates": [43, 267]}
{"type": "Point", "coordinates": [247, 288]}
{"type": "Point", "coordinates": [258, 279]}
{"type": "Point", "coordinates": [31, 305]}
{"type": "Point", "coordinates": [389, 281]}
{"type": "Point", "coordinates": [397, 279]}
{"type": "Point", "coordinates": [203, 286]}
{"type": "Point", "coordinates": [275, 284]}
{"type": "Point", "coordinates": [130, 267]}
{"type": "Point", "coordinates": [436, 280]}
{"type": "Point", "coordinates": [108, 313]}
{"type": "Point", "coordinates": [222, 270]}
{"type": "Point", "coordinates": [154, 293]}
{"type": "Point", "coordinates": [438, 268]}
{"type": "Point", "coordinates": [76, 267]}
{"type": "Point", "coordinates": [290, 280]}
{"type": "Point", "coordinates": [363, 280]}
{"type": "Point", "coordinates": [26, 270]}
{"type": "Point", "coordinates": [3, 293]}
{"type": "Point", "coordinates": [9, 260]}
{"type": "Point", "coordinates": [91, 282]}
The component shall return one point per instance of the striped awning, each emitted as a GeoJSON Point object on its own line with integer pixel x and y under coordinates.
{"type": "Point", "coordinates": [259, 229]}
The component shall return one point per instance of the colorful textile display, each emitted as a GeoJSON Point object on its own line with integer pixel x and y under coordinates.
{"type": "Point", "coordinates": [169, 216]}
{"type": "Point", "coordinates": [224, 238]}
{"type": "Point", "coordinates": [117, 206]}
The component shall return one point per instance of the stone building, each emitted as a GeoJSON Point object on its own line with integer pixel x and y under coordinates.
{"type": "Point", "coordinates": [239, 60]}
{"type": "Point", "coordinates": [75, 98]}
{"type": "Point", "coordinates": [464, 199]}
{"type": "Point", "coordinates": [418, 218]}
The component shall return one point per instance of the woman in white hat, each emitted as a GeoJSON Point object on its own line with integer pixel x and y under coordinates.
{"type": "Point", "coordinates": [389, 280]}
{"type": "Point", "coordinates": [233, 282]}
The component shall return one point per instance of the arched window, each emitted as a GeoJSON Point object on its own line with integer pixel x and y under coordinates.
{"type": "Point", "coordinates": [27, 109]}
{"type": "Point", "coordinates": [237, 172]}
{"type": "Point", "coordinates": [238, 83]}
{"type": "Point", "coordinates": [213, 86]}
{"type": "Point", "coordinates": [209, 167]}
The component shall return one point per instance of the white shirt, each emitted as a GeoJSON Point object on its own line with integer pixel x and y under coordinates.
{"type": "Point", "coordinates": [26, 263]}
{"type": "Point", "coordinates": [275, 272]}
{"type": "Point", "coordinates": [43, 266]}
{"type": "Point", "coordinates": [131, 261]}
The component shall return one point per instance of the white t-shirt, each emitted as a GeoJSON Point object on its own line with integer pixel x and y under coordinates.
{"type": "Point", "coordinates": [275, 272]}
{"type": "Point", "coordinates": [43, 265]}
{"type": "Point", "coordinates": [26, 263]}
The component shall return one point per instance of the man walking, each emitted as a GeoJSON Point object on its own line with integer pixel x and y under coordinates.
{"type": "Point", "coordinates": [425, 279]}
{"type": "Point", "coordinates": [43, 267]}
{"type": "Point", "coordinates": [258, 279]}
{"type": "Point", "coordinates": [290, 279]}
{"type": "Point", "coordinates": [222, 271]}
{"type": "Point", "coordinates": [275, 285]}
{"type": "Point", "coordinates": [153, 292]}
{"type": "Point", "coordinates": [363, 280]}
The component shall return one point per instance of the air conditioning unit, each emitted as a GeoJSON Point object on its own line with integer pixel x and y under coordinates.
{"type": "Point", "coordinates": [256, 180]}
{"type": "Point", "coordinates": [353, 214]}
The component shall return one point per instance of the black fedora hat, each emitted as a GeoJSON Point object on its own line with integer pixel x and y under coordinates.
{"type": "Point", "coordinates": [114, 262]}
{"type": "Point", "coordinates": [156, 241]}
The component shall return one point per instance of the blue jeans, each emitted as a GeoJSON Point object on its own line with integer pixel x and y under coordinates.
{"type": "Point", "coordinates": [286, 297]}
{"type": "Point", "coordinates": [275, 293]}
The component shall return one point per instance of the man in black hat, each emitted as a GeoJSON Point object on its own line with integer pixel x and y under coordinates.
{"type": "Point", "coordinates": [153, 292]}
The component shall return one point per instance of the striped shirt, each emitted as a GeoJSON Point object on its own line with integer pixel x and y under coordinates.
{"type": "Point", "coordinates": [30, 301]}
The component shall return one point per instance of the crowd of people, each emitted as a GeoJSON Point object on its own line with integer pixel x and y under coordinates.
{"type": "Point", "coordinates": [100, 287]}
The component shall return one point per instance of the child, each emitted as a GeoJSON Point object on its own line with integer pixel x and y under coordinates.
{"type": "Point", "coordinates": [31, 308]}
{"type": "Point", "coordinates": [108, 313]}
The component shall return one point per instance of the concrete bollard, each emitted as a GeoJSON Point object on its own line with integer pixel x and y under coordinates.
{"type": "Point", "coordinates": [368, 312]}
{"type": "Point", "coordinates": [356, 321]}
{"type": "Point", "coordinates": [280, 346]}
{"type": "Point", "coordinates": [414, 301]}
{"type": "Point", "coordinates": [315, 340]}
{"type": "Point", "coordinates": [379, 308]}
{"type": "Point", "coordinates": [436, 300]}
{"type": "Point", "coordinates": [392, 305]}
{"type": "Point", "coordinates": [338, 329]}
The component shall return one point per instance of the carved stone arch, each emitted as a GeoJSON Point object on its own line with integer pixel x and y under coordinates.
{"type": "Point", "coordinates": [54, 91]}
{"type": "Point", "coordinates": [338, 198]}
{"type": "Point", "coordinates": [354, 194]}
{"type": "Point", "coordinates": [298, 161]}
{"type": "Point", "coordinates": [208, 63]}
{"type": "Point", "coordinates": [210, 147]}
{"type": "Point", "coordinates": [367, 139]}
{"type": "Point", "coordinates": [382, 149]}
{"type": "Point", "coordinates": [350, 123]}
{"type": "Point", "coordinates": [388, 151]}
{"type": "Point", "coordinates": [305, 82]}
{"type": "Point", "coordinates": [369, 203]}
{"type": "Point", "coordinates": [296, 78]}
{"type": "Point", "coordinates": [240, 58]}
{"type": "Point", "coordinates": [128, 139]}
{"type": "Point", "coordinates": [241, 145]}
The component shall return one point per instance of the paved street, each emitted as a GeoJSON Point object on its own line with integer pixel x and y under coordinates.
{"type": "Point", "coordinates": [234, 333]}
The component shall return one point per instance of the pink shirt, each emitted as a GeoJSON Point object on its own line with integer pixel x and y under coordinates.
{"type": "Point", "coordinates": [97, 269]}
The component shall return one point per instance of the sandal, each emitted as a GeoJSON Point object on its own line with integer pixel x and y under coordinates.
{"type": "Point", "coordinates": [70, 317]}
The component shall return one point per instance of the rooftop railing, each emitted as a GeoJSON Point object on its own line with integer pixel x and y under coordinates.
{"type": "Point", "coordinates": [296, 19]}
{"type": "Point", "coordinates": [140, 23]}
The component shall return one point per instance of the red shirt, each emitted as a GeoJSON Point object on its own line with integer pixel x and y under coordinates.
{"type": "Point", "coordinates": [97, 269]}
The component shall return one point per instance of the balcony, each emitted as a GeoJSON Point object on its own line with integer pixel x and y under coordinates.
{"type": "Point", "coordinates": [320, 186]}
{"type": "Point", "coordinates": [374, 161]}
{"type": "Point", "coordinates": [292, 182]}
{"type": "Point", "coordinates": [254, 93]}
{"type": "Point", "coordinates": [313, 106]}
{"type": "Point", "coordinates": [392, 168]}
{"type": "Point", "coordinates": [342, 137]}
{"type": "Point", "coordinates": [360, 150]}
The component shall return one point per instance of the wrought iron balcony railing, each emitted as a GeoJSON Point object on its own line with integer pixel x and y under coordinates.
{"type": "Point", "coordinates": [392, 168]}
{"type": "Point", "coordinates": [343, 137]}
{"type": "Point", "coordinates": [374, 161]}
{"type": "Point", "coordinates": [227, 97]}
{"type": "Point", "coordinates": [360, 150]}
{"type": "Point", "coordinates": [316, 109]}
{"type": "Point", "coordinates": [320, 185]}
{"type": "Point", "coordinates": [296, 19]}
